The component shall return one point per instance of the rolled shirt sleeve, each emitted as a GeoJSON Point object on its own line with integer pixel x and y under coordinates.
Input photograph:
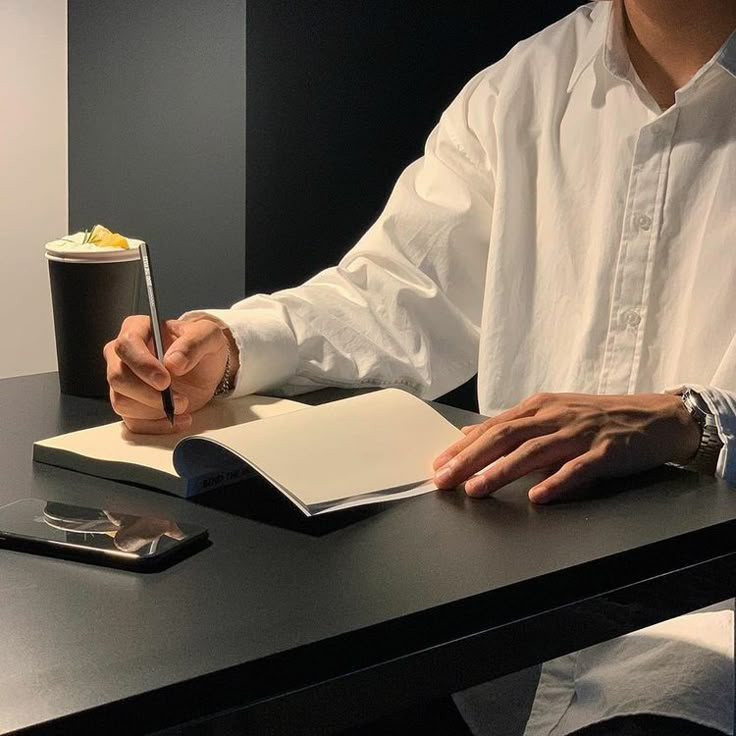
{"type": "Point", "coordinates": [403, 306]}
{"type": "Point", "coordinates": [723, 406]}
{"type": "Point", "coordinates": [266, 344]}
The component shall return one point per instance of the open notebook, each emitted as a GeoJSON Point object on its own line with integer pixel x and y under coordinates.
{"type": "Point", "coordinates": [365, 449]}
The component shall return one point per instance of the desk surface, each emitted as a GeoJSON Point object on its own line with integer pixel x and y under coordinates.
{"type": "Point", "coordinates": [279, 622]}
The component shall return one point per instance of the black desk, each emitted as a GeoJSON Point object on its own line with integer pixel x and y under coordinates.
{"type": "Point", "coordinates": [275, 627]}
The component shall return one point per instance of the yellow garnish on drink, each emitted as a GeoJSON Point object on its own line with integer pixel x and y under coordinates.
{"type": "Point", "coordinates": [100, 235]}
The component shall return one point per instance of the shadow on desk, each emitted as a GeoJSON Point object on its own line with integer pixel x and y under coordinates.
{"type": "Point", "coordinates": [255, 498]}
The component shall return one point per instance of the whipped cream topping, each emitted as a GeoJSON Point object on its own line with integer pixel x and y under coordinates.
{"type": "Point", "coordinates": [73, 247]}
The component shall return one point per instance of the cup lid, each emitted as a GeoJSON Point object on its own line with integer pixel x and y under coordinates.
{"type": "Point", "coordinates": [68, 250]}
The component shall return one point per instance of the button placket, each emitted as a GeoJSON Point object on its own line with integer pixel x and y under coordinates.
{"type": "Point", "coordinates": [636, 254]}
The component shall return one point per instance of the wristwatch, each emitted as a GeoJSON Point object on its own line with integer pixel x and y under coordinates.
{"type": "Point", "coordinates": [706, 458]}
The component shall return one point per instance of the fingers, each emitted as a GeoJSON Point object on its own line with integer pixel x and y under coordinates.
{"type": "Point", "coordinates": [146, 407]}
{"type": "Point", "coordinates": [114, 517]}
{"type": "Point", "coordinates": [126, 385]}
{"type": "Point", "coordinates": [537, 453]}
{"type": "Point", "coordinates": [476, 430]}
{"type": "Point", "coordinates": [574, 438]}
{"type": "Point", "coordinates": [133, 536]}
{"type": "Point", "coordinates": [136, 532]}
{"type": "Point", "coordinates": [573, 476]}
{"type": "Point", "coordinates": [137, 378]}
{"type": "Point", "coordinates": [182, 422]}
{"type": "Point", "coordinates": [142, 418]}
{"type": "Point", "coordinates": [132, 348]}
{"type": "Point", "coordinates": [485, 447]}
{"type": "Point", "coordinates": [175, 532]}
{"type": "Point", "coordinates": [192, 344]}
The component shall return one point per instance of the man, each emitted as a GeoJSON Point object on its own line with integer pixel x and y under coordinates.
{"type": "Point", "coordinates": [568, 230]}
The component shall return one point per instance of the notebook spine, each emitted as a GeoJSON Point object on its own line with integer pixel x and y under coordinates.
{"type": "Point", "coordinates": [217, 479]}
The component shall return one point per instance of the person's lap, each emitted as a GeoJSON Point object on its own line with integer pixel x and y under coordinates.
{"type": "Point", "coordinates": [647, 725]}
{"type": "Point", "coordinates": [441, 718]}
{"type": "Point", "coordinates": [499, 708]}
{"type": "Point", "coordinates": [502, 707]}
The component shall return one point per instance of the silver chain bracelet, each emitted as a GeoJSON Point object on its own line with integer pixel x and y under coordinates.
{"type": "Point", "coordinates": [226, 382]}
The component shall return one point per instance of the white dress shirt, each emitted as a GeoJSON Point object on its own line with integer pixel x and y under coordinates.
{"type": "Point", "coordinates": [561, 233]}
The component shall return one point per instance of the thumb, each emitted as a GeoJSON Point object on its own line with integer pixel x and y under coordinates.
{"type": "Point", "coordinates": [195, 341]}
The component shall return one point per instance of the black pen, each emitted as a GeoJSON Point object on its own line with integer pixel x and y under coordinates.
{"type": "Point", "coordinates": [156, 328]}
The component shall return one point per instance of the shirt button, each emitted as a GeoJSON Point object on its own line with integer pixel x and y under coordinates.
{"type": "Point", "coordinates": [631, 318]}
{"type": "Point", "coordinates": [643, 222]}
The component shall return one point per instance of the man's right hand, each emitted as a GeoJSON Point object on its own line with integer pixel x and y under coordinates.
{"type": "Point", "coordinates": [194, 363]}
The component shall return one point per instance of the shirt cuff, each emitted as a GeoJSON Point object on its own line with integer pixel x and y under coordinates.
{"type": "Point", "coordinates": [722, 405]}
{"type": "Point", "coordinates": [267, 348]}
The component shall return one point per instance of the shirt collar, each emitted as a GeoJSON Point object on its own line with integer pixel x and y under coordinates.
{"type": "Point", "coordinates": [727, 55]}
{"type": "Point", "coordinates": [615, 53]}
{"type": "Point", "coordinates": [594, 41]}
{"type": "Point", "coordinates": [607, 37]}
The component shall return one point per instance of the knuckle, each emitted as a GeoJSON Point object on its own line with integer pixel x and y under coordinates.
{"type": "Point", "coordinates": [459, 461]}
{"type": "Point", "coordinates": [503, 431]}
{"type": "Point", "coordinates": [211, 328]}
{"type": "Point", "coordinates": [132, 425]}
{"type": "Point", "coordinates": [566, 433]}
{"type": "Point", "coordinates": [502, 472]}
{"type": "Point", "coordinates": [533, 447]}
{"type": "Point", "coordinates": [536, 401]}
{"type": "Point", "coordinates": [133, 322]}
{"type": "Point", "coordinates": [581, 466]}
{"type": "Point", "coordinates": [191, 344]}
{"type": "Point", "coordinates": [565, 415]}
{"type": "Point", "coordinates": [114, 375]}
{"type": "Point", "coordinates": [117, 402]}
{"type": "Point", "coordinates": [606, 446]}
{"type": "Point", "coordinates": [122, 345]}
{"type": "Point", "coordinates": [188, 342]}
{"type": "Point", "coordinates": [208, 333]}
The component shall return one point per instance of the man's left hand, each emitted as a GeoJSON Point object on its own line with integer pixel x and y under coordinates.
{"type": "Point", "coordinates": [577, 438]}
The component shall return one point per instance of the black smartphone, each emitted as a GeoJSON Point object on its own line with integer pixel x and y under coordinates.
{"type": "Point", "coordinates": [99, 536]}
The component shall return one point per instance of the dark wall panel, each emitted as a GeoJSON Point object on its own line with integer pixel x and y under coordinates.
{"type": "Point", "coordinates": [157, 137]}
{"type": "Point", "coordinates": [341, 97]}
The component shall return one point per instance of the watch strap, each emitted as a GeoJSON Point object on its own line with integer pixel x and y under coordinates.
{"type": "Point", "coordinates": [705, 459]}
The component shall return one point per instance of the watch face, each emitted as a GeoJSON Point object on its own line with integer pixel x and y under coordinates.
{"type": "Point", "coordinates": [698, 409]}
{"type": "Point", "coordinates": [697, 402]}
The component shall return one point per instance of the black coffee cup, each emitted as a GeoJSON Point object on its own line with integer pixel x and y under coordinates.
{"type": "Point", "coordinates": [91, 293]}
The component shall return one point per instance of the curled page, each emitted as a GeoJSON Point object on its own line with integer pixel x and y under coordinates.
{"type": "Point", "coordinates": [364, 449]}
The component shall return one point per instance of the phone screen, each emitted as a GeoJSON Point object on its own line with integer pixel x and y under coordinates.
{"type": "Point", "coordinates": [94, 535]}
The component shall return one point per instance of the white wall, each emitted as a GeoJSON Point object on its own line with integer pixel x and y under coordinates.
{"type": "Point", "coordinates": [33, 175]}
